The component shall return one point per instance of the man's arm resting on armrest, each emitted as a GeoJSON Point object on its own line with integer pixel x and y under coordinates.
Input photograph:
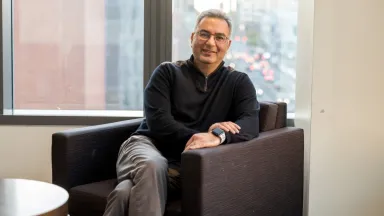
{"type": "Point", "coordinates": [157, 107]}
{"type": "Point", "coordinates": [246, 112]}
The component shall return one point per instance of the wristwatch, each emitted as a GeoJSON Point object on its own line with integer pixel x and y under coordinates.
{"type": "Point", "coordinates": [219, 133]}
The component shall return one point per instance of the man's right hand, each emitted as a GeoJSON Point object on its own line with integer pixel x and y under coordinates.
{"type": "Point", "coordinates": [226, 126]}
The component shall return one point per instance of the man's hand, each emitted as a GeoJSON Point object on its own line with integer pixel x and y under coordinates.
{"type": "Point", "coordinates": [226, 126]}
{"type": "Point", "coordinates": [202, 140]}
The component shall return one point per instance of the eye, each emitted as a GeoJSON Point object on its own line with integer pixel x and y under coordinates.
{"type": "Point", "coordinates": [205, 34]}
{"type": "Point", "coordinates": [220, 38]}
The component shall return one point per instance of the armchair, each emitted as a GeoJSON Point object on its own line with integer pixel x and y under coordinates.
{"type": "Point", "coordinates": [262, 177]}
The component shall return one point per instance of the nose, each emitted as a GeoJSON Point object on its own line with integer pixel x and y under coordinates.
{"type": "Point", "coordinates": [211, 41]}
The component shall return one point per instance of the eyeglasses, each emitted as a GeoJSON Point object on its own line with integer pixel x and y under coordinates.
{"type": "Point", "coordinates": [204, 36]}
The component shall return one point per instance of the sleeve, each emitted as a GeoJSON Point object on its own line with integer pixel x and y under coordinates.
{"type": "Point", "coordinates": [246, 111]}
{"type": "Point", "coordinates": [157, 108]}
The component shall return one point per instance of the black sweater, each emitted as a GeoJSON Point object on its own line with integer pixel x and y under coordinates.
{"type": "Point", "coordinates": [180, 101]}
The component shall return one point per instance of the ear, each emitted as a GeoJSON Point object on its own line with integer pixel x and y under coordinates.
{"type": "Point", "coordinates": [229, 43]}
{"type": "Point", "coordinates": [192, 35]}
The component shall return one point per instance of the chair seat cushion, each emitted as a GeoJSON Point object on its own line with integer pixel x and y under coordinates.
{"type": "Point", "coordinates": [91, 199]}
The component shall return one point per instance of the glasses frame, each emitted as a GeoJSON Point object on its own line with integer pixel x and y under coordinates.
{"type": "Point", "coordinates": [210, 35]}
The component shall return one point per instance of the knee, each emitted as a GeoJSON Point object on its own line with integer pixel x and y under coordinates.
{"type": "Point", "coordinates": [155, 165]}
{"type": "Point", "coordinates": [122, 191]}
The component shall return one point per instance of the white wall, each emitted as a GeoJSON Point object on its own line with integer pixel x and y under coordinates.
{"type": "Point", "coordinates": [340, 88]}
{"type": "Point", "coordinates": [25, 151]}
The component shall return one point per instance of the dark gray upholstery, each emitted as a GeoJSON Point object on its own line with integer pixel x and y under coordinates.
{"type": "Point", "coordinates": [262, 177]}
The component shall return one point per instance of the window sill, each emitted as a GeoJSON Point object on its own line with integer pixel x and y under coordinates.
{"type": "Point", "coordinates": [66, 117]}
{"type": "Point", "coordinates": [77, 117]}
{"type": "Point", "coordinates": [290, 119]}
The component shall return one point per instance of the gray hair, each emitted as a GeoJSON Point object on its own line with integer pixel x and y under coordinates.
{"type": "Point", "coordinates": [215, 13]}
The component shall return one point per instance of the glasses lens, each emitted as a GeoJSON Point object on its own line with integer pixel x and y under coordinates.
{"type": "Point", "coordinates": [220, 38]}
{"type": "Point", "coordinates": [204, 35]}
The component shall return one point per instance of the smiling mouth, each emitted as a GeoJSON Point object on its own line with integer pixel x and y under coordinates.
{"type": "Point", "coordinates": [208, 51]}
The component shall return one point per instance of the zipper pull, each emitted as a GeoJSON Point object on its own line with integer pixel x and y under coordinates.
{"type": "Point", "coordinates": [206, 84]}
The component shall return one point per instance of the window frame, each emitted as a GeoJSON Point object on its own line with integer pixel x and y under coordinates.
{"type": "Point", "coordinates": [157, 16]}
{"type": "Point", "coordinates": [157, 49]}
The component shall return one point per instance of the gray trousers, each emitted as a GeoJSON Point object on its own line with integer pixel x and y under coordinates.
{"type": "Point", "coordinates": [145, 178]}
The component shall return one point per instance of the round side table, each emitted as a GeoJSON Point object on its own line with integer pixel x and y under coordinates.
{"type": "Point", "coordinates": [21, 197]}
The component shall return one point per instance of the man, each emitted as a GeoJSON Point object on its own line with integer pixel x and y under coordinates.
{"type": "Point", "coordinates": [192, 104]}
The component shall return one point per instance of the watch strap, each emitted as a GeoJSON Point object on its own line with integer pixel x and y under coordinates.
{"type": "Point", "coordinates": [219, 133]}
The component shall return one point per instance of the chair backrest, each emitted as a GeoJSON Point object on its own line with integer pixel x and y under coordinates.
{"type": "Point", "coordinates": [273, 115]}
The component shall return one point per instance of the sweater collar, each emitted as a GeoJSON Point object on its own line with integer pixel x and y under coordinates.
{"type": "Point", "coordinates": [190, 62]}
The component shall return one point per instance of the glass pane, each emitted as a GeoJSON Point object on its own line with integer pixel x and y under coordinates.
{"type": "Point", "coordinates": [78, 54]}
{"type": "Point", "coordinates": [264, 41]}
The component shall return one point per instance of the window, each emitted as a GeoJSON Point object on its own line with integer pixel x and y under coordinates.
{"type": "Point", "coordinates": [263, 41]}
{"type": "Point", "coordinates": [77, 62]}
{"type": "Point", "coordinates": [77, 57]}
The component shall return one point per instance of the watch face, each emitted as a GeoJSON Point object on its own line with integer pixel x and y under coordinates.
{"type": "Point", "coordinates": [217, 131]}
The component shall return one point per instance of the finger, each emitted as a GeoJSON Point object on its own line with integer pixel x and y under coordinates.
{"type": "Point", "coordinates": [224, 127]}
{"type": "Point", "coordinates": [190, 141]}
{"type": "Point", "coordinates": [189, 146]}
{"type": "Point", "coordinates": [200, 145]}
{"type": "Point", "coordinates": [236, 125]}
{"type": "Point", "coordinates": [232, 128]}
{"type": "Point", "coordinates": [194, 145]}
{"type": "Point", "coordinates": [219, 125]}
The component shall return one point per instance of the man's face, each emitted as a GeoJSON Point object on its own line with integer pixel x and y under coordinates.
{"type": "Point", "coordinates": [210, 41]}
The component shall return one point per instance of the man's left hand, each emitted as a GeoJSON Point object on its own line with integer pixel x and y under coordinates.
{"type": "Point", "coordinates": [202, 140]}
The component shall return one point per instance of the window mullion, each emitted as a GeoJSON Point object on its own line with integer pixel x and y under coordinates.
{"type": "Point", "coordinates": [157, 35]}
{"type": "Point", "coordinates": [6, 81]}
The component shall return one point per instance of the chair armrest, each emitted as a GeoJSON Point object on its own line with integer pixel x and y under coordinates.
{"type": "Point", "coordinates": [263, 176]}
{"type": "Point", "coordinates": [88, 154]}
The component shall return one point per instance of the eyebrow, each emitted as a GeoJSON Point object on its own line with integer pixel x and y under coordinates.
{"type": "Point", "coordinates": [219, 33]}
